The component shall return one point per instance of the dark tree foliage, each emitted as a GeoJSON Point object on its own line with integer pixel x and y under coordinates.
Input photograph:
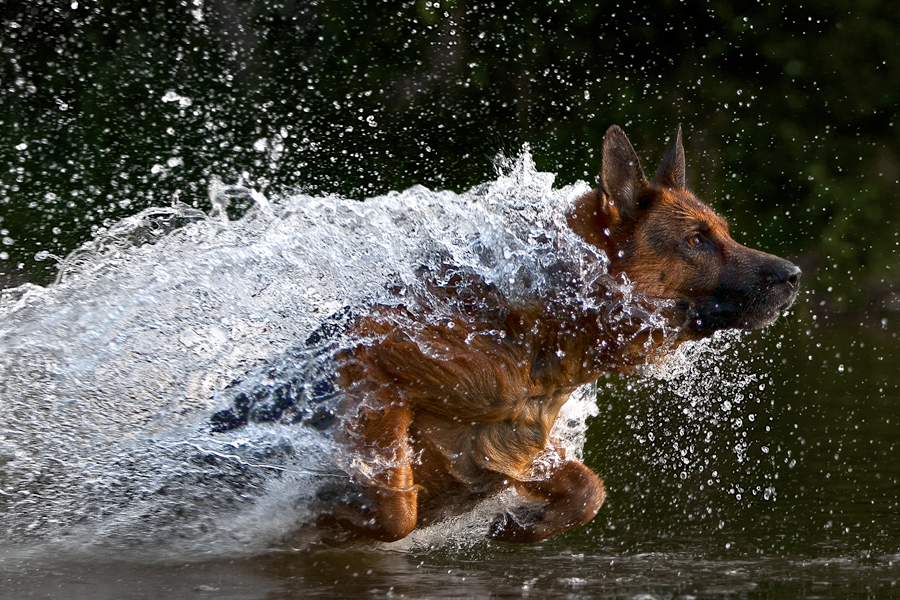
{"type": "Point", "coordinates": [788, 111]}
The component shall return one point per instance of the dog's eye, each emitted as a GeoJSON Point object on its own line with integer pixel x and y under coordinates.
{"type": "Point", "coordinates": [695, 241]}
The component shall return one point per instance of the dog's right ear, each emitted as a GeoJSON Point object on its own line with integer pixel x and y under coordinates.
{"type": "Point", "coordinates": [671, 170]}
{"type": "Point", "coordinates": [621, 177]}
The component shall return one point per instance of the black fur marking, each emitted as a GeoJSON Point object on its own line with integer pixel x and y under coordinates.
{"type": "Point", "coordinates": [336, 323]}
{"type": "Point", "coordinates": [296, 388]}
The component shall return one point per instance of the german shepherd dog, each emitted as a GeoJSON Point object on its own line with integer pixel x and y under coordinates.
{"type": "Point", "coordinates": [459, 408]}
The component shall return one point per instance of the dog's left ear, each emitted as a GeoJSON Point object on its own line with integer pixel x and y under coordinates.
{"type": "Point", "coordinates": [671, 170]}
{"type": "Point", "coordinates": [621, 177]}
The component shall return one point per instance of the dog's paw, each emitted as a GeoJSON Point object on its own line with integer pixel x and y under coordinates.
{"type": "Point", "coordinates": [498, 526]}
{"type": "Point", "coordinates": [506, 528]}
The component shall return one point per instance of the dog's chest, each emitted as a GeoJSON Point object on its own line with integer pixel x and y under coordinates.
{"type": "Point", "coordinates": [474, 449]}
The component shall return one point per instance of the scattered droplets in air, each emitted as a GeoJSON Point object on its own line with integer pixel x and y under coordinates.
{"type": "Point", "coordinates": [696, 403]}
{"type": "Point", "coordinates": [172, 96]}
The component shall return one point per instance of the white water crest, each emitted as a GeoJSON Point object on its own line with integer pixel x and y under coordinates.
{"type": "Point", "coordinates": [109, 377]}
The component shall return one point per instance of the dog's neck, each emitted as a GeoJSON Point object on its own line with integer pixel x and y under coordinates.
{"type": "Point", "coordinates": [588, 219]}
{"type": "Point", "coordinates": [593, 220]}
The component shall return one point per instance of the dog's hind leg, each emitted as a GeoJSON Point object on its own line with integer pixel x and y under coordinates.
{"type": "Point", "coordinates": [571, 496]}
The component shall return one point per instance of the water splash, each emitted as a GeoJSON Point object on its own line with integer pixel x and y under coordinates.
{"type": "Point", "coordinates": [111, 376]}
{"type": "Point", "coordinates": [175, 385]}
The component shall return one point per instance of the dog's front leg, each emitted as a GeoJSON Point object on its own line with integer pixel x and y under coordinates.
{"type": "Point", "coordinates": [570, 496]}
{"type": "Point", "coordinates": [394, 492]}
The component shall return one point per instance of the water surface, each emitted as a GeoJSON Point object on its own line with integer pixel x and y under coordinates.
{"type": "Point", "coordinates": [804, 502]}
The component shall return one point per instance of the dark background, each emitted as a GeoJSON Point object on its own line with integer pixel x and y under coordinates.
{"type": "Point", "coordinates": [789, 116]}
{"type": "Point", "coordinates": [788, 111]}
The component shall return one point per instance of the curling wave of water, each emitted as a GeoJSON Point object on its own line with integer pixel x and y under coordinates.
{"type": "Point", "coordinates": [110, 376]}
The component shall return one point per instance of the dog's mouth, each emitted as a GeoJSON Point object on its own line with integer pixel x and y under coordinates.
{"type": "Point", "coordinates": [704, 316]}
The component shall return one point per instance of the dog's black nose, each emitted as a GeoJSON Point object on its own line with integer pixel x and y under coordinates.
{"type": "Point", "coordinates": [786, 273]}
{"type": "Point", "coordinates": [795, 275]}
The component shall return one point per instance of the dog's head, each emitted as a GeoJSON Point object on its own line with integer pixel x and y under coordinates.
{"type": "Point", "coordinates": [673, 246]}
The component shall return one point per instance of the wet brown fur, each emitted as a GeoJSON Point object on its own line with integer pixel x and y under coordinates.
{"type": "Point", "coordinates": [462, 406]}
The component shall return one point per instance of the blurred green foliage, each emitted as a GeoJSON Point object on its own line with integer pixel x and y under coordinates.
{"type": "Point", "coordinates": [789, 111]}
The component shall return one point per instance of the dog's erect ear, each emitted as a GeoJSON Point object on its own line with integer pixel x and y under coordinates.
{"type": "Point", "coordinates": [671, 170]}
{"type": "Point", "coordinates": [621, 176]}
